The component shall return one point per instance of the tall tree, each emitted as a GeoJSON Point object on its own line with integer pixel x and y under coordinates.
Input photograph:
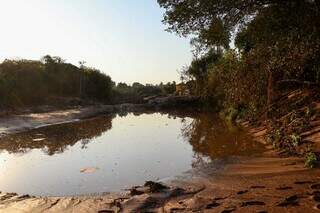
{"type": "Point", "coordinates": [276, 32]}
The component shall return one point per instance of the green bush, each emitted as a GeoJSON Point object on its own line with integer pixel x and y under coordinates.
{"type": "Point", "coordinates": [295, 139]}
{"type": "Point", "coordinates": [310, 159]}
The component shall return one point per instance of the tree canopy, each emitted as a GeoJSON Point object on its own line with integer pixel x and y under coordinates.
{"type": "Point", "coordinates": [214, 22]}
{"type": "Point", "coordinates": [275, 40]}
{"type": "Point", "coordinates": [27, 82]}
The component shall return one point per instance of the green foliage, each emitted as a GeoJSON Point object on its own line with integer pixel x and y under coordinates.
{"type": "Point", "coordinates": [197, 17]}
{"type": "Point", "coordinates": [275, 137]}
{"type": "Point", "coordinates": [310, 159]}
{"type": "Point", "coordinates": [199, 72]}
{"type": "Point", "coordinates": [135, 93]}
{"type": "Point", "coordinates": [26, 82]}
{"type": "Point", "coordinates": [20, 83]}
{"type": "Point", "coordinates": [278, 47]}
{"type": "Point", "coordinates": [295, 139]}
{"type": "Point", "coordinates": [96, 84]}
{"type": "Point", "coordinates": [232, 114]}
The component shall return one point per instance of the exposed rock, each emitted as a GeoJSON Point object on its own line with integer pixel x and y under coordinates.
{"type": "Point", "coordinates": [155, 187]}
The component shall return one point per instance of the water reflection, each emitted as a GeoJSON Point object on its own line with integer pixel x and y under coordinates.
{"type": "Point", "coordinates": [212, 137]}
{"type": "Point", "coordinates": [56, 139]}
{"type": "Point", "coordinates": [208, 134]}
{"type": "Point", "coordinates": [127, 149]}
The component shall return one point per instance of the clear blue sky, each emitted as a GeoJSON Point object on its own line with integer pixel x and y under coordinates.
{"type": "Point", "coordinates": [123, 38]}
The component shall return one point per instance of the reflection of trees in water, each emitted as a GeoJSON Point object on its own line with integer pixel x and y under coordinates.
{"type": "Point", "coordinates": [57, 137]}
{"type": "Point", "coordinates": [210, 136]}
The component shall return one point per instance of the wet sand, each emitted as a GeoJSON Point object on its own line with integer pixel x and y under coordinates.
{"type": "Point", "coordinates": [254, 185]}
{"type": "Point", "coordinates": [22, 122]}
{"type": "Point", "coordinates": [265, 184]}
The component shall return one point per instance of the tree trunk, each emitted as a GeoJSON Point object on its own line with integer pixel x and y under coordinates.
{"type": "Point", "coordinates": [270, 90]}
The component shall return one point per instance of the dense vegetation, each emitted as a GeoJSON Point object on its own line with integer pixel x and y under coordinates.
{"type": "Point", "coordinates": [26, 82]}
{"type": "Point", "coordinates": [258, 60]}
{"type": "Point", "coordinates": [276, 48]}
{"type": "Point", "coordinates": [53, 81]}
{"type": "Point", "coordinates": [137, 93]}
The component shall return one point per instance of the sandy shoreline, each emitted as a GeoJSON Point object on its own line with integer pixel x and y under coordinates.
{"type": "Point", "coordinates": [26, 121]}
{"type": "Point", "coordinates": [263, 184]}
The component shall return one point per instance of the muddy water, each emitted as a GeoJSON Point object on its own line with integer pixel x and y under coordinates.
{"type": "Point", "coordinates": [112, 153]}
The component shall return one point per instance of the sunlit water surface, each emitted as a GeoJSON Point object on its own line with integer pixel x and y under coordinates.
{"type": "Point", "coordinates": [112, 153]}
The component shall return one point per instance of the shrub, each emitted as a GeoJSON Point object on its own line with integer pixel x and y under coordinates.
{"type": "Point", "coordinates": [310, 159]}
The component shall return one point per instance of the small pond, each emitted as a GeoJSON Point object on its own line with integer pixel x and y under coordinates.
{"type": "Point", "coordinates": [112, 153]}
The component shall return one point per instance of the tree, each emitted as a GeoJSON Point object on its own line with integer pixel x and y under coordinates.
{"type": "Point", "coordinates": [137, 85]}
{"type": "Point", "coordinates": [27, 82]}
{"type": "Point", "coordinates": [187, 17]}
{"type": "Point", "coordinates": [282, 36]}
{"type": "Point", "coordinates": [198, 70]}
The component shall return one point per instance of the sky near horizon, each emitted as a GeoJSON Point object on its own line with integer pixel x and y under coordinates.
{"type": "Point", "coordinates": [123, 38]}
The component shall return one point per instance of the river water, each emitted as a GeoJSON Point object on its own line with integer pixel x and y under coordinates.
{"type": "Point", "coordinates": [112, 153]}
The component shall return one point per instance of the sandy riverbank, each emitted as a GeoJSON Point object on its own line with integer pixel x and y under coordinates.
{"type": "Point", "coordinates": [14, 123]}
{"type": "Point", "coordinates": [23, 120]}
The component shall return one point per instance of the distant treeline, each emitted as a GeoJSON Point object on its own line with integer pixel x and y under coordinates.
{"type": "Point", "coordinates": [27, 82]}
{"type": "Point", "coordinates": [135, 93]}
{"type": "Point", "coordinates": [53, 81]}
